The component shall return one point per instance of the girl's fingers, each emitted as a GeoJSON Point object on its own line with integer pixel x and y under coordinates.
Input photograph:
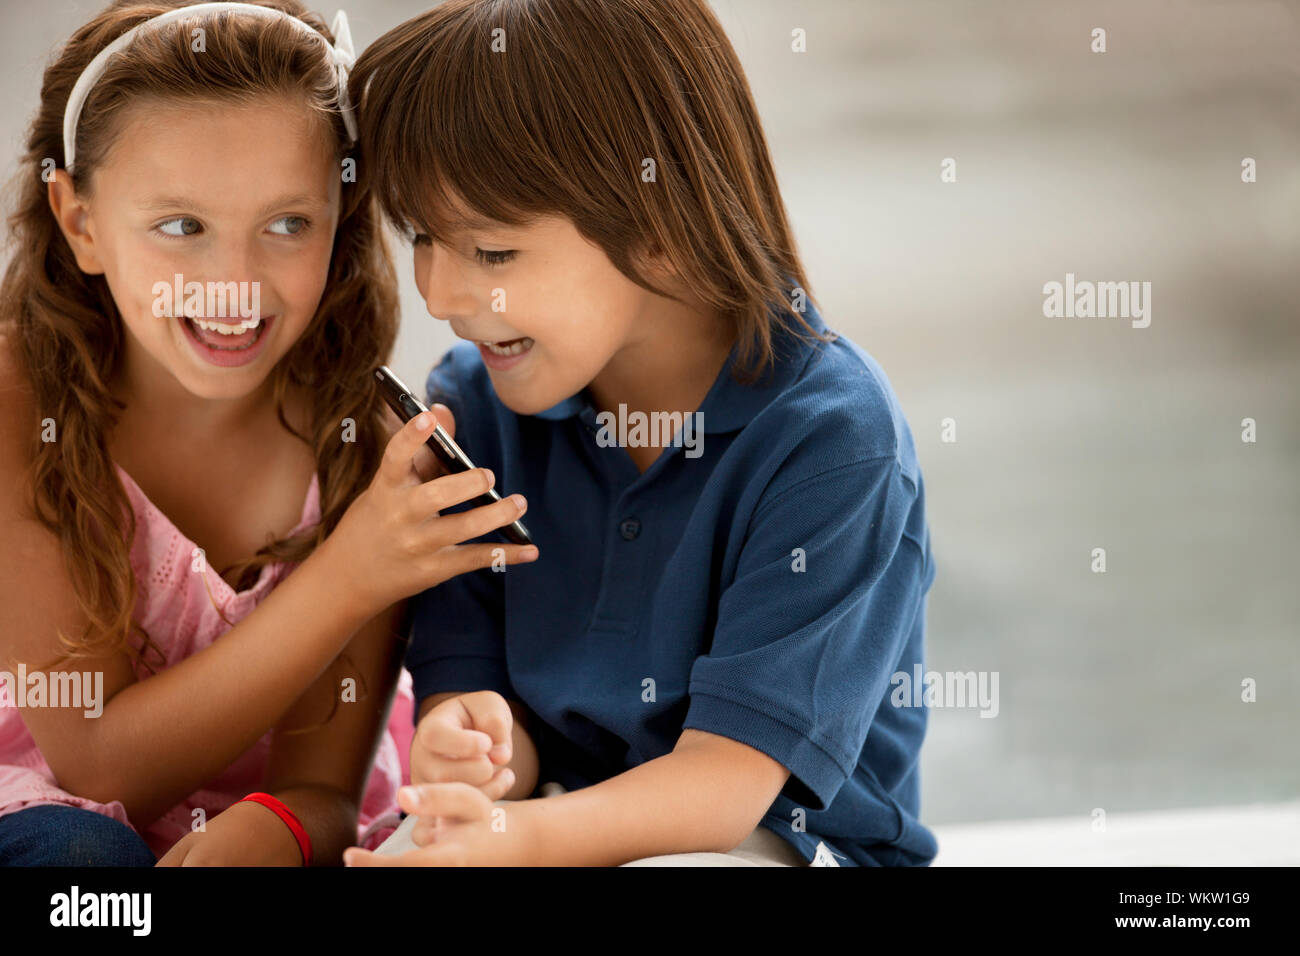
{"type": "Point", "coordinates": [468, 525]}
{"type": "Point", "coordinates": [449, 490]}
{"type": "Point", "coordinates": [395, 468]}
{"type": "Point", "coordinates": [459, 558]}
{"type": "Point", "coordinates": [426, 464]}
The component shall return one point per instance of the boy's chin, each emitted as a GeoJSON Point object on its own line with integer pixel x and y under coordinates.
{"type": "Point", "coordinates": [525, 400]}
{"type": "Point", "coordinates": [524, 404]}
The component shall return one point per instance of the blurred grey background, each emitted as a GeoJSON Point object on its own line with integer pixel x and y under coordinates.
{"type": "Point", "coordinates": [1119, 690]}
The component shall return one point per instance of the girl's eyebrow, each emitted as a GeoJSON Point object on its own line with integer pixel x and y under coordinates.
{"type": "Point", "coordinates": [174, 202]}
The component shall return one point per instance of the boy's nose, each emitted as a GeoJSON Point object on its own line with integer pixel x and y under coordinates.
{"type": "Point", "coordinates": [446, 294]}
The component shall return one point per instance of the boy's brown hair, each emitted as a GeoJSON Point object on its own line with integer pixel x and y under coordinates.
{"type": "Point", "coordinates": [632, 118]}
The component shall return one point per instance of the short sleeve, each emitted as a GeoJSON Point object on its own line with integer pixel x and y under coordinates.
{"type": "Point", "coordinates": [458, 636]}
{"type": "Point", "coordinates": [458, 627]}
{"type": "Point", "coordinates": [814, 623]}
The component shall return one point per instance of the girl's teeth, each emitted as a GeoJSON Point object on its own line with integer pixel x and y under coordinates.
{"type": "Point", "coordinates": [224, 329]}
{"type": "Point", "coordinates": [514, 348]}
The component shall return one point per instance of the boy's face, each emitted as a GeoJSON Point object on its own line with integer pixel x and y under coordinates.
{"type": "Point", "coordinates": [544, 284]}
{"type": "Point", "coordinates": [242, 196]}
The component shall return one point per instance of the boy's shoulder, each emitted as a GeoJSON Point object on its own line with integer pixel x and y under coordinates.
{"type": "Point", "coordinates": [834, 406]}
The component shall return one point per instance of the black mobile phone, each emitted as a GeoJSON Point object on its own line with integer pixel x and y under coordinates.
{"type": "Point", "coordinates": [404, 403]}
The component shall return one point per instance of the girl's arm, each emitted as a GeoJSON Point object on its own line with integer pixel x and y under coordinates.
{"type": "Point", "coordinates": [321, 775]}
{"type": "Point", "coordinates": [158, 740]}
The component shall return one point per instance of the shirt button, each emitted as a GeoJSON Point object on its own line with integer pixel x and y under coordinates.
{"type": "Point", "coordinates": [629, 528]}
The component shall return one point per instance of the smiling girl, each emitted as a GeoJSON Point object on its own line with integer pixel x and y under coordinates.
{"type": "Point", "coordinates": [211, 513]}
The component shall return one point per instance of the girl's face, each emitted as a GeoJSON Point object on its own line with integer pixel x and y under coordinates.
{"type": "Point", "coordinates": [241, 199]}
{"type": "Point", "coordinates": [546, 285]}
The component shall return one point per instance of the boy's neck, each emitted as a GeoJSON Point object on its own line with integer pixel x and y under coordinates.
{"type": "Point", "coordinates": [669, 368]}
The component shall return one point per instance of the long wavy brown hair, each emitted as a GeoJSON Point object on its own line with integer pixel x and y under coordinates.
{"type": "Point", "coordinates": [532, 107]}
{"type": "Point", "coordinates": [69, 335]}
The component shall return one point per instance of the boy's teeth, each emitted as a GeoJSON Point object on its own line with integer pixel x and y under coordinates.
{"type": "Point", "coordinates": [514, 348]}
{"type": "Point", "coordinates": [224, 329]}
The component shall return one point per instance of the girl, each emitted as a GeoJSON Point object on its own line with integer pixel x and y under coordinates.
{"type": "Point", "coordinates": [734, 521]}
{"type": "Point", "coordinates": [156, 448]}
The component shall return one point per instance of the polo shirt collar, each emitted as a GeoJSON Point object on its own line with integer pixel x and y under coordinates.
{"type": "Point", "coordinates": [728, 406]}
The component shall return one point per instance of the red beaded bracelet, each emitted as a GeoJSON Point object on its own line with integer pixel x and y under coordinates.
{"type": "Point", "coordinates": [292, 822]}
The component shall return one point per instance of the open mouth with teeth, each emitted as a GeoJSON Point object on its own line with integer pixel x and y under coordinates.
{"type": "Point", "coordinates": [508, 347]}
{"type": "Point", "coordinates": [224, 335]}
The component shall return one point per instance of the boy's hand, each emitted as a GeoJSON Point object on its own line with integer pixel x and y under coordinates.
{"type": "Point", "coordinates": [466, 739]}
{"type": "Point", "coordinates": [471, 831]}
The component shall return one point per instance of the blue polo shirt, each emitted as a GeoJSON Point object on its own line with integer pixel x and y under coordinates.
{"type": "Point", "coordinates": [763, 582]}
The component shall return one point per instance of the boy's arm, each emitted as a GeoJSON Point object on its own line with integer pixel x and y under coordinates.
{"type": "Point", "coordinates": [523, 752]}
{"type": "Point", "coordinates": [781, 705]}
{"type": "Point", "coordinates": [708, 794]}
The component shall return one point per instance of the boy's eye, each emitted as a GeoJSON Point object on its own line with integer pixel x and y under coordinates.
{"type": "Point", "coordinates": [494, 257]}
{"type": "Point", "coordinates": [299, 225]}
{"type": "Point", "coordinates": [184, 229]}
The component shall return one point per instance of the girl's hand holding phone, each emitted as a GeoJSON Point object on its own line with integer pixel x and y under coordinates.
{"type": "Point", "coordinates": [392, 543]}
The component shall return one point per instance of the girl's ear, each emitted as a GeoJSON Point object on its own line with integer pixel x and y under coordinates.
{"type": "Point", "coordinates": [71, 213]}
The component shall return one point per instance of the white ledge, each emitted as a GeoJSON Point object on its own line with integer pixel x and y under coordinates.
{"type": "Point", "coordinates": [1260, 834]}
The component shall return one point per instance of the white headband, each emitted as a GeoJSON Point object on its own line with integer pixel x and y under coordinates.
{"type": "Point", "coordinates": [341, 53]}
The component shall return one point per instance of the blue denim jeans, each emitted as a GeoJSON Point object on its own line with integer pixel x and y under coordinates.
{"type": "Point", "coordinates": [55, 835]}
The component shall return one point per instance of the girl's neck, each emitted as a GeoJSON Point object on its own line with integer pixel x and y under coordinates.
{"type": "Point", "coordinates": [157, 404]}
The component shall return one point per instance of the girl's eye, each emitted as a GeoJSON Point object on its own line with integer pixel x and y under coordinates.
{"type": "Point", "coordinates": [185, 224]}
{"type": "Point", "coordinates": [420, 239]}
{"type": "Point", "coordinates": [299, 226]}
{"type": "Point", "coordinates": [494, 257]}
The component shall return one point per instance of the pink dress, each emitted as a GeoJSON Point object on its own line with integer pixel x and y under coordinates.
{"type": "Point", "coordinates": [179, 608]}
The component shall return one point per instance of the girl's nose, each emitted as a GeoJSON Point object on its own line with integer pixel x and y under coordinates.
{"type": "Point", "coordinates": [237, 261]}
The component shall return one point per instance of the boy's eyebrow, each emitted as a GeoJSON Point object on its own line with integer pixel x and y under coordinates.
{"type": "Point", "coordinates": [472, 221]}
{"type": "Point", "coordinates": [476, 222]}
{"type": "Point", "coordinates": [173, 202]}
{"type": "Point", "coordinates": [470, 224]}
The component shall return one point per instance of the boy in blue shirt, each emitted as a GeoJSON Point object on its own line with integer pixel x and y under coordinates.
{"type": "Point", "coordinates": [700, 658]}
